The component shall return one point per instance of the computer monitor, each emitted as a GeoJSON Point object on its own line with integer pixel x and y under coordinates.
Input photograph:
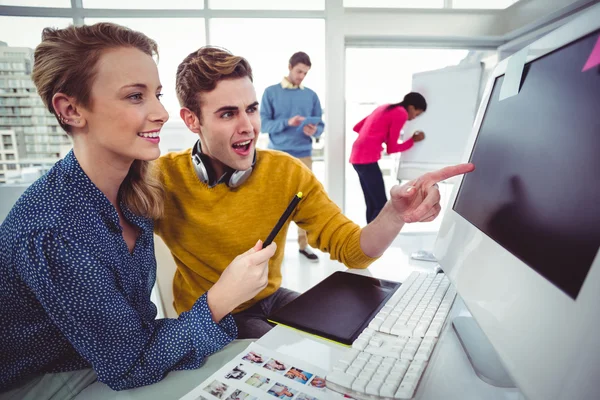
{"type": "Point", "coordinates": [521, 239]}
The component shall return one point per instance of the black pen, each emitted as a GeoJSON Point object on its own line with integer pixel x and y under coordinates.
{"type": "Point", "coordinates": [284, 217]}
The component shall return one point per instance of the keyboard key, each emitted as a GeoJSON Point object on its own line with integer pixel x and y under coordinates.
{"type": "Point", "coordinates": [379, 351]}
{"type": "Point", "coordinates": [354, 371]}
{"type": "Point", "coordinates": [388, 361]}
{"type": "Point", "coordinates": [366, 374]}
{"type": "Point", "coordinates": [349, 356]}
{"type": "Point", "coordinates": [388, 390]}
{"type": "Point", "coordinates": [375, 324]}
{"type": "Point", "coordinates": [409, 352]}
{"type": "Point", "coordinates": [359, 344]}
{"type": "Point", "coordinates": [406, 330]}
{"type": "Point", "coordinates": [379, 377]}
{"type": "Point", "coordinates": [387, 324]}
{"type": "Point", "coordinates": [341, 379]}
{"type": "Point", "coordinates": [373, 387]}
{"type": "Point", "coordinates": [359, 363]}
{"type": "Point", "coordinates": [369, 331]}
{"type": "Point", "coordinates": [384, 369]}
{"type": "Point", "coordinates": [377, 359]}
{"type": "Point", "coordinates": [371, 366]}
{"type": "Point", "coordinates": [359, 385]}
{"type": "Point", "coordinates": [411, 378]}
{"type": "Point", "coordinates": [404, 392]}
{"type": "Point", "coordinates": [421, 329]}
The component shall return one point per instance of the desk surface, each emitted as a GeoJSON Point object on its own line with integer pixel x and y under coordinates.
{"type": "Point", "coordinates": [449, 375]}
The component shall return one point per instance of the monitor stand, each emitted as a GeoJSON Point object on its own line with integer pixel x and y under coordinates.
{"type": "Point", "coordinates": [482, 355]}
{"type": "Point", "coordinates": [423, 255]}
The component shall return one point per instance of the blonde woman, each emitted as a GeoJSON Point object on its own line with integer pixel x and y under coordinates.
{"type": "Point", "coordinates": [77, 263]}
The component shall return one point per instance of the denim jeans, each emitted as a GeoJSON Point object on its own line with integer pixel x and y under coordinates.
{"type": "Point", "coordinates": [371, 181]}
{"type": "Point", "coordinates": [252, 323]}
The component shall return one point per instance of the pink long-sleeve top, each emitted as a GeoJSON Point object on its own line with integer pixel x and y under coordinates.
{"type": "Point", "coordinates": [379, 127]}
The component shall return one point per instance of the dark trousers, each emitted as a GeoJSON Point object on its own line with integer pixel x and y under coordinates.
{"type": "Point", "coordinates": [371, 181]}
{"type": "Point", "coordinates": [252, 323]}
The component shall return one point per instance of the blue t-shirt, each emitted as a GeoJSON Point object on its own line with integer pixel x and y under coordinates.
{"type": "Point", "coordinates": [72, 296]}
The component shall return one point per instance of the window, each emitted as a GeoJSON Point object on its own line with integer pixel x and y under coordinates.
{"type": "Point", "coordinates": [37, 3]}
{"type": "Point", "coordinates": [10, 157]}
{"type": "Point", "coordinates": [27, 31]}
{"type": "Point", "coordinates": [267, 4]}
{"type": "Point", "coordinates": [270, 63]}
{"type": "Point", "coordinates": [11, 167]}
{"type": "Point", "coordinates": [395, 3]}
{"type": "Point", "coordinates": [144, 4]}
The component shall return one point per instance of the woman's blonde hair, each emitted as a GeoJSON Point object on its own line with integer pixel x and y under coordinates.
{"type": "Point", "coordinates": [65, 62]}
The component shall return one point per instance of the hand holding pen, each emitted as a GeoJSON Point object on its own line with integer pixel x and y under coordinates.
{"type": "Point", "coordinates": [245, 277]}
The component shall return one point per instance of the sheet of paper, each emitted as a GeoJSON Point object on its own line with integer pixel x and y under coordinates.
{"type": "Point", "coordinates": [514, 71]}
{"type": "Point", "coordinates": [259, 373]}
{"type": "Point", "coordinates": [594, 58]}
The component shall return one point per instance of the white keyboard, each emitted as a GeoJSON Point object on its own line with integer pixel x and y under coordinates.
{"type": "Point", "coordinates": [389, 357]}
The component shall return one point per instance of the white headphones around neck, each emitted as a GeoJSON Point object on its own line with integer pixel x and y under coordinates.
{"type": "Point", "coordinates": [205, 171]}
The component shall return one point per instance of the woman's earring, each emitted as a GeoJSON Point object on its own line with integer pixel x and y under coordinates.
{"type": "Point", "coordinates": [62, 119]}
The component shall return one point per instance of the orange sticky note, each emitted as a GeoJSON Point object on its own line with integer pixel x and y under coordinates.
{"type": "Point", "coordinates": [594, 58]}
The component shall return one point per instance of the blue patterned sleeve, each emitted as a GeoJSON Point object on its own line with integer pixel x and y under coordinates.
{"type": "Point", "coordinates": [86, 302]}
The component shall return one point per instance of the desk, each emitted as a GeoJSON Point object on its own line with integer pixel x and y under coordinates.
{"type": "Point", "coordinates": [449, 375]}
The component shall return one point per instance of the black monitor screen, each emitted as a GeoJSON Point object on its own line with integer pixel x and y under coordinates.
{"type": "Point", "coordinates": [536, 187]}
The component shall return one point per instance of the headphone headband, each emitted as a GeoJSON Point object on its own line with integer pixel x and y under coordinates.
{"type": "Point", "coordinates": [204, 170]}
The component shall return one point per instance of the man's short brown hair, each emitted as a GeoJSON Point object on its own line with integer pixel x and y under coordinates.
{"type": "Point", "coordinates": [300, 58]}
{"type": "Point", "coordinates": [201, 70]}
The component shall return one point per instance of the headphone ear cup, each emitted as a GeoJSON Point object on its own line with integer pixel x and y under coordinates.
{"type": "Point", "coordinates": [239, 177]}
{"type": "Point", "coordinates": [200, 168]}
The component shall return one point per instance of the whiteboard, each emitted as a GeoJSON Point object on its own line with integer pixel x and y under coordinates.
{"type": "Point", "coordinates": [451, 95]}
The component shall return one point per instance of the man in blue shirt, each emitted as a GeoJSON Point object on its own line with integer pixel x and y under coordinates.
{"type": "Point", "coordinates": [284, 107]}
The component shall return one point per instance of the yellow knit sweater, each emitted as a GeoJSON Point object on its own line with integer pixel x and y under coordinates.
{"type": "Point", "coordinates": [206, 228]}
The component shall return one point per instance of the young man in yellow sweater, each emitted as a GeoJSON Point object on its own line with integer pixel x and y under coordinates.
{"type": "Point", "coordinates": [223, 194]}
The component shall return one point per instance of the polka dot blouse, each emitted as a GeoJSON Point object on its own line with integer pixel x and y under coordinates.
{"type": "Point", "coordinates": [72, 296]}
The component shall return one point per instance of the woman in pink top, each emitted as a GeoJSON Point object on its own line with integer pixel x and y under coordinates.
{"type": "Point", "coordinates": [382, 126]}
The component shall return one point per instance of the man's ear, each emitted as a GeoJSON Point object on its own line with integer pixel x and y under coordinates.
{"type": "Point", "coordinates": [66, 110]}
{"type": "Point", "coordinates": [190, 119]}
{"type": "Point", "coordinates": [290, 67]}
